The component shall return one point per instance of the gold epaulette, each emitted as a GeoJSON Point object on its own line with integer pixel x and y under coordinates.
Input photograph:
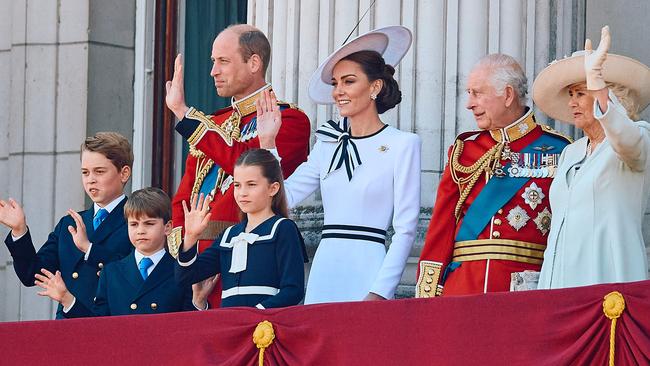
{"type": "Point", "coordinates": [550, 130]}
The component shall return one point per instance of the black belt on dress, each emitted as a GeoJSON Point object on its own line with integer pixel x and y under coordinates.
{"type": "Point", "coordinates": [354, 232]}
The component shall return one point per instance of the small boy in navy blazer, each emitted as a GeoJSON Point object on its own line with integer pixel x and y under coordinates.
{"type": "Point", "coordinates": [82, 243]}
{"type": "Point", "coordinates": [142, 282]}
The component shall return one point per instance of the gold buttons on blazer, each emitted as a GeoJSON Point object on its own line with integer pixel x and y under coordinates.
{"type": "Point", "coordinates": [496, 234]}
{"type": "Point", "coordinates": [154, 306]}
{"type": "Point", "coordinates": [497, 221]}
{"type": "Point", "coordinates": [134, 306]}
{"type": "Point", "coordinates": [98, 273]}
{"type": "Point", "coordinates": [75, 275]}
{"type": "Point", "coordinates": [100, 265]}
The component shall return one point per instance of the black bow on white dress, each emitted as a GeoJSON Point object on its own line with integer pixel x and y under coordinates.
{"type": "Point", "coordinates": [346, 152]}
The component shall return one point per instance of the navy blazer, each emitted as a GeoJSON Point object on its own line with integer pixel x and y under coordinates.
{"type": "Point", "coordinates": [110, 243]}
{"type": "Point", "coordinates": [122, 291]}
{"type": "Point", "coordinates": [274, 275]}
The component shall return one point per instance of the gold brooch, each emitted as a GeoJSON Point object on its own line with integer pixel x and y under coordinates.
{"type": "Point", "coordinates": [383, 148]}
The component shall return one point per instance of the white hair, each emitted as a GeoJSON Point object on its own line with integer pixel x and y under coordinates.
{"type": "Point", "coordinates": [504, 71]}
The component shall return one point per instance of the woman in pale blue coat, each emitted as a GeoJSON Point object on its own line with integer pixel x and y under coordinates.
{"type": "Point", "coordinates": [599, 195]}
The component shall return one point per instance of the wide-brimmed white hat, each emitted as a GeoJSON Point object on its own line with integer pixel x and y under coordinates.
{"type": "Point", "coordinates": [391, 42]}
{"type": "Point", "coordinates": [550, 89]}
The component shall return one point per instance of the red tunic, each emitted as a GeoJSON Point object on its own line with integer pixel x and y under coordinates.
{"type": "Point", "coordinates": [216, 141]}
{"type": "Point", "coordinates": [514, 238]}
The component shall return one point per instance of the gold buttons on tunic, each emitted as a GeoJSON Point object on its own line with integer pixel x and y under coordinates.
{"type": "Point", "coordinates": [496, 234]}
{"type": "Point", "coordinates": [430, 272]}
{"type": "Point", "coordinates": [497, 221]}
{"type": "Point", "coordinates": [427, 288]}
{"type": "Point", "coordinates": [100, 265]}
{"type": "Point", "coordinates": [428, 280]}
{"type": "Point", "coordinates": [134, 306]}
{"type": "Point", "coordinates": [154, 306]}
{"type": "Point", "coordinates": [75, 275]}
{"type": "Point", "coordinates": [500, 211]}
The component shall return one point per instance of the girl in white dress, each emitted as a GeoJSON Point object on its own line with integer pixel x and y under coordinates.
{"type": "Point", "coordinates": [368, 172]}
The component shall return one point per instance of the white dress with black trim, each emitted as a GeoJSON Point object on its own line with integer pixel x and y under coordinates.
{"type": "Point", "coordinates": [262, 268]}
{"type": "Point", "coordinates": [367, 184]}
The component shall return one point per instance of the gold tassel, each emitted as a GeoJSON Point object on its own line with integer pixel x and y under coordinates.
{"type": "Point", "coordinates": [263, 337]}
{"type": "Point", "coordinates": [613, 307]}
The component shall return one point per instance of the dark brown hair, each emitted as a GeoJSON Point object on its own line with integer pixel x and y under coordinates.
{"type": "Point", "coordinates": [375, 68]}
{"type": "Point", "coordinates": [152, 202]}
{"type": "Point", "coordinates": [252, 42]}
{"type": "Point", "coordinates": [113, 146]}
{"type": "Point", "coordinates": [272, 171]}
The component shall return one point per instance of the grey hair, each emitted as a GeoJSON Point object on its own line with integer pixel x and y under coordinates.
{"type": "Point", "coordinates": [505, 70]}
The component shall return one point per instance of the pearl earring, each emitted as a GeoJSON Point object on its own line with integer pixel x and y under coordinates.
{"type": "Point", "coordinates": [373, 96]}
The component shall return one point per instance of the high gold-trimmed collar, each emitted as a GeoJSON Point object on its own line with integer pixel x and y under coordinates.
{"type": "Point", "coordinates": [516, 130]}
{"type": "Point", "coordinates": [246, 105]}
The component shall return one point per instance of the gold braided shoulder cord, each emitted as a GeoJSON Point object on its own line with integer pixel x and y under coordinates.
{"type": "Point", "coordinates": [485, 164]}
{"type": "Point", "coordinates": [202, 169]}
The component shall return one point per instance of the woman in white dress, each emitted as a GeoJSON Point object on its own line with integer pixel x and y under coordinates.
{"type": "Point", "coordinates": [368, 172]}
{"type": "Point", "coordinates": [602, 185]}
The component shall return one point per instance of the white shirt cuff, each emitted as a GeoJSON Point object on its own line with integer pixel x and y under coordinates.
{"type": "Point", "coordinates": [90, 246]}
{"type": "Point", "coordinates": [65, 310]}
{"type": "Point", "coordinates": [198, 308]}
{"type": "Point", "coordinates": [275, 153]}
{"type": "Point", "coordinates": [260, 306]}
{"type": "Point", "coordinates": [16, 238]}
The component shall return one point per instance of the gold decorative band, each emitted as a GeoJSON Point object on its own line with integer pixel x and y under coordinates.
{"type": "Point", "coordinates": [214, 229]}
{"type": "Point", "coordinates": [502, 249]}
{"type": "Point", "coordinates": [427, 283]}
{"type": "Point", "coordinates": [174, 241]}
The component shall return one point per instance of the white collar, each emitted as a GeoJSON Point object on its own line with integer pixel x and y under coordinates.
{"type": "Point", "coordinates": [110, 206]}
{"type": "Point", "coordinates": [155, 258]}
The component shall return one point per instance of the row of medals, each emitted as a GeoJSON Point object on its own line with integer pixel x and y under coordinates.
{"type": "Point", "coordinates": [527, 165]}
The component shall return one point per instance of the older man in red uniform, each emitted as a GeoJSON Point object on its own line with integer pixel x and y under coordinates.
{"type": "Point", "coordinates": [492, 216]}
{"type": "Point", "coordinates": [240, 56]}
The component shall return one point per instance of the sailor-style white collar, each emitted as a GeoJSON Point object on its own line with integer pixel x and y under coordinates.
{"type": "Point", "coordinates": [240, 243]}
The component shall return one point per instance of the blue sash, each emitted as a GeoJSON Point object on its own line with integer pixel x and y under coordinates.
{"type": "Point", "coordinates": [498, 191]}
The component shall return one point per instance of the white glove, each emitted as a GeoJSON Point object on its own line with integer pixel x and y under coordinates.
{"type": "Point", "coordinates": [594, 60]}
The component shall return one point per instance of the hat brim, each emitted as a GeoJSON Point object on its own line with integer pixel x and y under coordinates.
{"type": "Point", "coordinates": [550, 88]}
{"type": "Point", "coordinates": [391, 42]}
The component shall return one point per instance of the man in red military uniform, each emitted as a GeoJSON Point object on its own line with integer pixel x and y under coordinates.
{"type": "Point", "coordinates": [492, 215]}
{"type": "Point", "coordinates": [240, 56]}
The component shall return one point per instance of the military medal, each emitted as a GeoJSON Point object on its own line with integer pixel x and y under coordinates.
{"type": "Point", "coordinates": [533, 195]}
{"type": "Point", "coordinates": [517, 217]}
{"type": "Point", "coordinates": [543, 221]}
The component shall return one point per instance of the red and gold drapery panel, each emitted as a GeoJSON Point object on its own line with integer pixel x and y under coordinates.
{"type": "Point", "coordinates": [558, 327]}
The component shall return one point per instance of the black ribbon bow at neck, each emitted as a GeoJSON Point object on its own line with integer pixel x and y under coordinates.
{"type": "Point", "coordinates": [346, 152]}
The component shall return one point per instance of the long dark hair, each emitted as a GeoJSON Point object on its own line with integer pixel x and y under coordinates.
{"type": "Point", "coordinates": [271, 170]}
{"type": "Point", "coordinates": [375, 68]}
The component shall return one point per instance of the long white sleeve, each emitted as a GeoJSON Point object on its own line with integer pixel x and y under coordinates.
{"type": "Point", "coordinates": [629, 139]}
{"type": "Point", "coordinates": [406, 211]}
{"type": "Point", "coordinates": [305, 179]}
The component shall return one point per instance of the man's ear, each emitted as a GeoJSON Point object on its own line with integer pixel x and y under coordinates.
{"type": "Point", "coordinates": [255, 63]}
{"type": "Point", "coordinates": [509, 94]}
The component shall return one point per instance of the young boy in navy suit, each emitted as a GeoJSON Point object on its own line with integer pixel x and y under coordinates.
{"type": "Point", "coordinates": [82, 243]}
{"type": "Point", "coordinates": [142, 282]}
